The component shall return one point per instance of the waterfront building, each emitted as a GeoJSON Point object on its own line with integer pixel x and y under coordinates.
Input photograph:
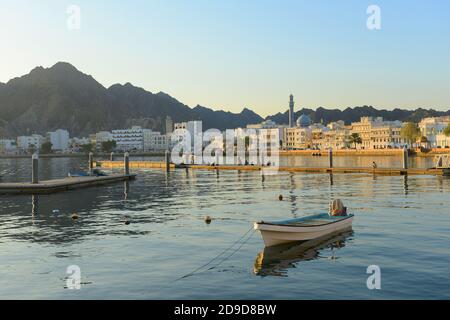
{"type": "Point", "coordinates": [8, 146]}
{"type": "Point", "coordinates": [155, 141]}
{"type": "Point", "coordinates": [129, 139]}
{"type": "Point", "coordinates": [194, 128]}
{"type": "Point", "coordinates": [76, 143]}
{"type": "Point", "coordinates": [100, 137]}
{"type": "Point", "coordinates": [26, 143]}
{"type": "Point", "coordinates": [433, 128]}
{"type": "Point", "coordinates": [297, 138]}
{"type": "Point", "coordinates": [376, 133]}
{"type": "Point", "coordinates": [59, 139]}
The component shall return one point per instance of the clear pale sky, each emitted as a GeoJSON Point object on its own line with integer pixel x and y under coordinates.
{"type": "Point", "coordinates": [232, 54]}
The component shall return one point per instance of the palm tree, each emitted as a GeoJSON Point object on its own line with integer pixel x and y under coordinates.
{"type": "Point", "coordinates": [355, 139]}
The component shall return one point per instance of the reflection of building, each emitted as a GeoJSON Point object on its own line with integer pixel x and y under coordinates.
{"type": "Point", "coordinates": [433, 128]}
{"type": "Point", "coordinates": [378, 134]}
{"type": "Point", "coordinates": [59, 139]}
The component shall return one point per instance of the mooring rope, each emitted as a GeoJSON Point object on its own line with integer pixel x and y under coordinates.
{"type": "Point", "coordinates": [220, 254]}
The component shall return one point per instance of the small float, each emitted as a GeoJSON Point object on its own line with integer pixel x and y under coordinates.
{"type": "Point", "coordinates": [305, 228]}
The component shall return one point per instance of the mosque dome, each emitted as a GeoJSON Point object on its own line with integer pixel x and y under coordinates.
{"type": "Point", "coordinates": [304, 121]}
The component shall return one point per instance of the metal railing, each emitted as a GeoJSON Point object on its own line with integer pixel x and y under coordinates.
{"type": "Point", "coordinates": [442, 161]}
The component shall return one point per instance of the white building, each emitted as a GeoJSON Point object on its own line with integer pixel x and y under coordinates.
{"type": "Point", "coordinates": [102, 136]}
{"type": "Point", "coordinates": [433, 128]}
{"type": "Point", "coordinates": [376, 133]}
{"type": "Point", "coordinates": [129, 139]}
{"type": "Point", "coordinates": [59, 139]}
{"type": "Point", "coordinates": [155, 141]}
{"type": "Point", "coordinates": [194, 128]}
{"type": "Point", "coordinates": [8, 146]}
{"type": "Point", "coordinates": [26, 143]}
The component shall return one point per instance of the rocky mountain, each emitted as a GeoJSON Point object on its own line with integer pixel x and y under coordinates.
{"type": "Point", "coordinates": [63, 97]}
{"type": "Point", "coordinates": [354, 114]}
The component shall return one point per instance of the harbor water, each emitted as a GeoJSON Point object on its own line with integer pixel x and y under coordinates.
{"type": "Point", "coordinates": [401, 224]}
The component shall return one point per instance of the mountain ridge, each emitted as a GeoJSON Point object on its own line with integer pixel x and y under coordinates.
{"type": "Point", "coordinates": [61, 96]}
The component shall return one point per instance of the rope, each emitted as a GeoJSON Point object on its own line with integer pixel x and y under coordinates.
{"type": "Point", "coordinates": [232, 254]}
{"type": "Point", "coordinates": [219, 255]}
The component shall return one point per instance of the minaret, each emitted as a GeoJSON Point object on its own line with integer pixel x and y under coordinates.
{"type": "Point", "coordinates": [291, 111]}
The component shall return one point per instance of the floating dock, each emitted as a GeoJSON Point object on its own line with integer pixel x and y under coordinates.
{"type": "Point", "coordinates": [377, 171]}
{"type": "Point", "coordinates": [58, 185]}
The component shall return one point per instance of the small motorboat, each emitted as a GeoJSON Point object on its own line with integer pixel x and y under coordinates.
{"type": "Point", "coordinates": [302, 229]}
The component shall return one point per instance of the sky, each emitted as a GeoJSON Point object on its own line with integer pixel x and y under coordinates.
{"type": "Point", "coordinates": [243, 53]}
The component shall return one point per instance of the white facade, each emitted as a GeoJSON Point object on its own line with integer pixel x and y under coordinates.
{"type": "Point", "coordinates": [433, 128]}
{"type": "Point", "coordinates": [59, 139]}
{"type": "Point", "coordinates": [129, 139]}
{"type": "Point", "coordinates": [8, 146]}
{"type": "Point", "coordinates": [102, 136]}
{"type": "Point", "coordinates": [25, 143]}
{"type": "Point", "coordinates": [376, 133]}
{"type": "Point", "coordinates": [194, 128]}
{"type": "Point", "coordinates": [155, 141]}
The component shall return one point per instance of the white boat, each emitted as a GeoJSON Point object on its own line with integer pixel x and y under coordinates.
{"type": "Point", "coordinates": [301, 229]}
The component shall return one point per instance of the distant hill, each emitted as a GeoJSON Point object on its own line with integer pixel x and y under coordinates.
{"type": "Point", "coordinates": [63, 97]}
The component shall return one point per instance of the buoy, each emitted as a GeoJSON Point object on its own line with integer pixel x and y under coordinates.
{"type": "Point", "coordinates": [208, 220]}
{"type": "Point", "coordinates": [74, 216]}
{"type": "Point", "coordinates": [280, 197]}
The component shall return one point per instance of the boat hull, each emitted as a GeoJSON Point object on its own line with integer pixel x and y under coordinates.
{"type": "Point", "coordinates": [274, 234]}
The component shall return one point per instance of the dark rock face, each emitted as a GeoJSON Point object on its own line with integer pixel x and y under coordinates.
{"type": "Point", "coordinates": [63, 97]}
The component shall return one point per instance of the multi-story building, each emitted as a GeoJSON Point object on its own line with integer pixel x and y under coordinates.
{"type": "Point", "coordinates": [26, 143]}
{"type": "Point", "coordinates": [59, 139]}
{"type": "Point", "coordinates": [335, 135]}
{"type": "Point", "coordinates": [433, 128]}
{"type": "Point", "coordinates": [376, 133]}
{"type": "Point", "coordinates": [194, 128]}
{"type": "Point", "coordinates": [129, 139]}
{"type": "Point", "coordinates": [155, 141]}
{"type": "Point", "coordinates": [8, 146]}
{"type": "Point", "coordinates": [299, 137]}
{"type": "Point", "coordinates": [100, 137]}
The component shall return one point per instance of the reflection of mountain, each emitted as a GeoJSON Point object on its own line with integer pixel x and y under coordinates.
{"type": "Point", "coordinates": [275, 261]}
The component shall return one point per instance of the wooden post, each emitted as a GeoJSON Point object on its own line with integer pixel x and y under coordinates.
{"type": "Point", "coordinates": [167, 160]}
{"type": "Point", "coordinates": [34, 168]}
{"type": "Point", "coordinates": [91, 162]}
{"type": "Point", "coordinates": [111, 157]}
{"type": "Point", "coordinates": [405, 158]}
{"type": "Point", "coordinates": [126, 161]}
{"type": "Point", "coordinates": [330, 154]}
{"type": "Point", "coordinates": [217, 158]}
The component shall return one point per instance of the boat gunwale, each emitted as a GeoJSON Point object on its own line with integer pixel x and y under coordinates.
{"type": "Point", "coordinates": [304, 226]}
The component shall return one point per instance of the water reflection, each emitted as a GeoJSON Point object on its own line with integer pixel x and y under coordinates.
{"type": "Point", "coordinates": [277, 260]}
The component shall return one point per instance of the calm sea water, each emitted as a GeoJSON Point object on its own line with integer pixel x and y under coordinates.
{"type": "Point", "coordinates": [402, 225]}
